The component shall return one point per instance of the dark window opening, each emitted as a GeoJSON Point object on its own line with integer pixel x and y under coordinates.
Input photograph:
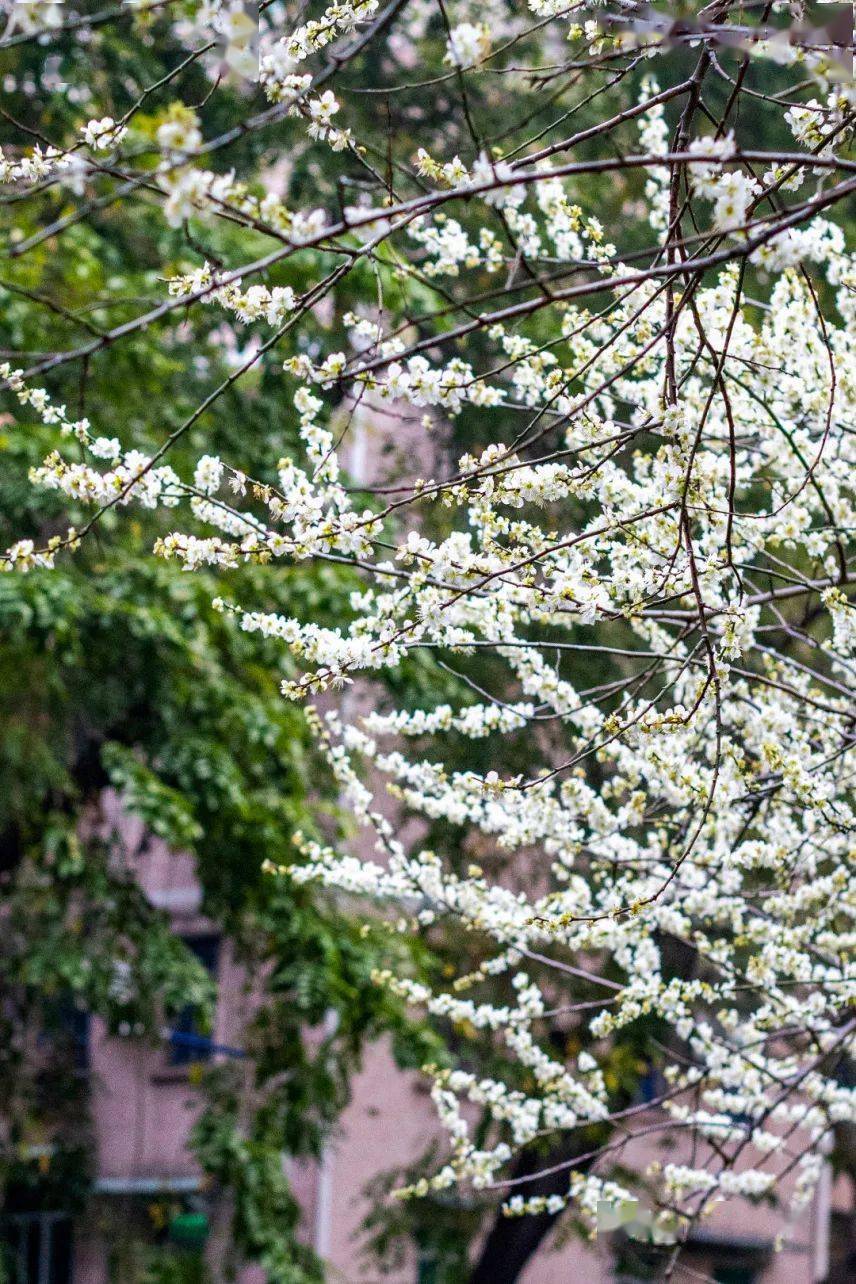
{"type": "Point", "coordinates": [36, 1248]}
{"type": "Point", "coordinates": [737, 1263]}
{"type": "Point", "coordinates": [652, 1084]}
{"type": "Point", "coordinates": [188, 1041]}
{"type": "Point", "coordinates": [74, 1022]}
{"type": "Point", "coordinates": [734, 1275]}
{"type": "Point", "coordinates": [66, 1031]}
{"type": "Point", "coordinates": [426, 1270]}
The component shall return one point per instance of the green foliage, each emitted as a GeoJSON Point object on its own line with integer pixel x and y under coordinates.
{"type": "Point", "coordinates": [119, 673]}
{"type": "Point", "coordinates": [125, 676]}
{"type": "Point", "coordinates": [164, 810]}
{"type": "Point", "coordinates": [170, 1268]}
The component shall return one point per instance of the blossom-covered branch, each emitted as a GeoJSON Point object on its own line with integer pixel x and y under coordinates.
{"type": "Point", "coordinates": [620, 362]}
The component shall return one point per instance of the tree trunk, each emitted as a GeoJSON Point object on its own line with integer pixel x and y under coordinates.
{"type": "Point", "coordinates": [512, 1241]}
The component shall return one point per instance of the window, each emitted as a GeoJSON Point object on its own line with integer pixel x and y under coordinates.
{"type": "Point", "coordinates": [35, 1248]}
{"type": "Point", "coordinates": [734, 1275]}
{"type": "Point", "coordinates": [426, 1269]}
{"type": "Point", "coordinates": [188, 1043]}
{"type": "Point", "coordinates": [75, 1028]}
{"type": "Point", "coordinates": [66, 1031]}
{"type": "Point", "coordinates": [651, 1084]}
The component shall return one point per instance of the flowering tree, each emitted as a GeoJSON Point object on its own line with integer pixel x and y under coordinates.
{"type": "Point", "coordinates": [593, 254]}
